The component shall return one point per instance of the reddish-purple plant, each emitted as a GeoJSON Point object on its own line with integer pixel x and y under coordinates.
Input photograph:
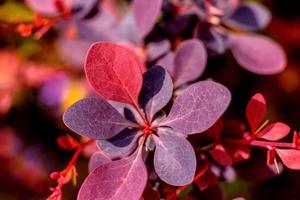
{"type": "Point", "coordinates": [125, 129]}
{"type": "Point", "coordinates": [224, 25]}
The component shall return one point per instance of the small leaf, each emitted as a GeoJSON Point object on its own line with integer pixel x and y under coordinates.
{"type": "Point", "coordinates": [145, 14]}
{"type": "Point", "coordinates": [274, 131]}
{"type": "Point", "coordinates": [249, 16]}
{"type": "Point", "coordinates": [167, 62]}
{"type": "Point", "coordinates": [290, 158]}
{"type": "Point", "coordinates": [215, 41]}
{"type": "Point", "coordinates": [150, 193]}
{"type": "Point", "coordinates": [157, 49]}
{"type": "Point", "coordinates": [114, 72]}
{"type": "Point", "coordinates": [156, 92]}
{"type": "Point", "coordinates": [257, 54]}
{"type": "Point", "coordinates": [189, 62]}
{"type": "Point", "coordinates": [209, 178]}
{"type": "Point", "coordinates": [121, 179]}
{"type": "Point", "coordinates": [174, 159]}
{"type": "Point", "coordinates": [94, 118]}
{"type": "Point", "coordinates": [198, 107]}
{"type": "Point", "coordinates": [238, 152]}
{"type": "Point", "coordinates": [67, 142]}
{"type": "Point", "coordinates": [221, 156]}
{"type": "Point", "coordinates": [121, 144]}
{"type": "Point", "coordinates": [256, 110]}
{"type": "Point", "coordinates": [96, 160]}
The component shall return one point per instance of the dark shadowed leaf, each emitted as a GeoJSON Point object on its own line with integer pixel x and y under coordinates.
{"type": "Point", "coordinates": [114, 72]}
{"type": "Point", "coordinates": [215, 42]}
{"type": "Point", "coordinates": [145, 14]}
{"type": "Point", "coordinates": [189, 62]}
{"type": "Point", "coordinates": [257, 54]}
{"type": "Point", "coordinates": [128, 111]}
{"type": "Point", "coordinates": [221, 156]}
{"type": "Point", "coordinates": [94, 118]}
{"type": "Point", "coordinates": [96, 160]}
{"type": "Point", "coordinates": [156, 92]}
{"type": "Point", "coordinates": [290, 158]}
{"type": "Point", "coordinates": [122, 179]}
{"type": "Point", "coordinates": [120, 144]}
{"type": "Point", "coordinates": [198, 107]}
{"type": "Point", "coordinates": [174, 159]}
{"type": "Point", "coordinates": [150, 193]}
{"type": "Point", "coordinates": [256, 110]}
{"type": "Point", "coordinates": [274, 131]}
{"type": "Point", "coordinates": [249, 16]}
{"type": "Point", "coordinates": [157, 49]}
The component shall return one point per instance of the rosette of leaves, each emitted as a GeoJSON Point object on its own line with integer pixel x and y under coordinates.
{"type": "Point", "coordinates": [228, 24]}
{"type": "Point", "coordinates": [128, 113]}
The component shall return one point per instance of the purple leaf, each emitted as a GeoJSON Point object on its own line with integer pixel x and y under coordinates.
{"type": "Point", "coordinates": [96, 160]}
{"type": "Point", "coordinates": [174, 159]}
{"type": "Point", "coordinates": [198, 107]}
{"type": "Point", "coordinates": [122, 179]}
{"type": "Point", "coordinates": [121, 144]}
{"type": "Point", "coordinates": [167, 62]}
{"type": "Point", "coordinates": [145, 13]}
{"type": "Point", "coordinates": [215, 41]}
{"type": "Point", "coordinates": [156, 92]}
{"type": "Point", "coordinates": [249, 16]}
{"type": "Point", "coordinates": [94, 118]}
{"type": "Point", "coordinates": [157, 49]}
{"type": "Point", "coordinates": [189, 62]}
{"type": "Point", "coordinates": [257, 54]}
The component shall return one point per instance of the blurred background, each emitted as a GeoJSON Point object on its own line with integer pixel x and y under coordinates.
{"type": "Point", "coordinates": [41, 74]}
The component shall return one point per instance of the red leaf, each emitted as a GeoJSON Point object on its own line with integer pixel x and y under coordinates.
{"type": "Point", "coordinates": [271, 156]}
{"type": "Point", "coordinates": [238, 152]}
{"type": "Point", "coordinates": [67, 142]}
{"type": "Point", "coordinates": [209, 178]}
{"type": "Point", "coordinates": [150, 193]}
{"type": "Point", "coordinates": [114, 72]}
{"type": "Point", "coordinates": [256, 110]}
{"type": "Point", "coordinates": [290, 158]}
{"type": "Point", "coordinates": [274, 131]}
{"type": "Point", "coordinates": [221, 156]}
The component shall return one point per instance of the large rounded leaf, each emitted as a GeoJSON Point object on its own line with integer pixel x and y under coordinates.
{"type": "Point", "coordinates": [257, 54]}
{"type": "Point", "coordinates": [114, 72]}
{"type": "Point", "coordinates": [94, 118]}
{"type": "Point", "coordinates": [198, 107]}
{"type": "Point", "coordinates": [122, 179]}
{"type": "Point", "coordinates": [174, 159]}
